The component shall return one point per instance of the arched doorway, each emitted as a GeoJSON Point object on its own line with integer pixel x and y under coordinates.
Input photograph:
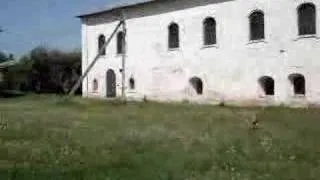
{"type": "Point", "coordinates": [111, 84]}
{"type": "Point", "coordinates": [267, 85]}
{"type": "Point", "coordinates": [197, 85]}
{"type": "Point", "coordinates": [299, 84]}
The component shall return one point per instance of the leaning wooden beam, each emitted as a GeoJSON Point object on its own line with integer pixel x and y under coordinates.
{"type": "Point", "coordinates": [84, 75]}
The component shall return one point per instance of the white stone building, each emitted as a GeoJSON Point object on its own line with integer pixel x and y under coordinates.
{"type": "Point", "coordinates": [245, 52]}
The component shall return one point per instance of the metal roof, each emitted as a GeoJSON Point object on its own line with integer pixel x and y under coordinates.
{"type": "Point", "coordinates": [116, 6]}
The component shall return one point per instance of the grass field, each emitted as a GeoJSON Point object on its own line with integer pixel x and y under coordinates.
{"type": "Point", "coordinates": [43, 137]}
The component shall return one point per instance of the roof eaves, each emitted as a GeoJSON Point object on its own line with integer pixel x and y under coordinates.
{"type": "Point", "coordinates": [113, 8]}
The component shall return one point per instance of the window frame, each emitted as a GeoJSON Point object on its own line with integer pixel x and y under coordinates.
{"type": "Point", "coordinates": [95, 85]}
{"type": "Point", "coordinates": [296, 90]}
{"type": "Point", "coordinates": [267, 85]}
{"type": "Point", "coordinates": [205, 31]}
{"type": "Point", "coordinates": [132, 84]}
{"type": "Point", "coordinates": [298, 15]}
{"type": "Point", "coordinates": [177, 44]}
{"type": "Point", "coordinates": [259, 38]}
{"type": "Point", "coordinates": [100, 44]}
{"type": "Point", "coordinates": [120, 46]}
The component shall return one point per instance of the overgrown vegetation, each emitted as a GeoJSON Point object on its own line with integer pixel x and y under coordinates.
{"type": "Point", "coordinates": [44, 70]}
{"type": "Point", "coordinates": [45, 137]}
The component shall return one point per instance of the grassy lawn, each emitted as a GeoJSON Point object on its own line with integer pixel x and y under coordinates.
{"type": "Point", "coordinates": [43, 137]}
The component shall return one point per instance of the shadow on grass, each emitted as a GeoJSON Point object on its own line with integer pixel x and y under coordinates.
{"type": "Point", "coordinates": [11, 94]}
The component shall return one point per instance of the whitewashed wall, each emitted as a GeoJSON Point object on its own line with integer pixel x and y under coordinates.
{"type": "Point", "coordinates": [230, 70]}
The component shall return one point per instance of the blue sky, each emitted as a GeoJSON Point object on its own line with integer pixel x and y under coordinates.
{"type": "Point", "coordinates": [30, 23]}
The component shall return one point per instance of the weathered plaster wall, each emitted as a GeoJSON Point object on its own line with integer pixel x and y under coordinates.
{"type": "Point", "coordinates": [230, 70]}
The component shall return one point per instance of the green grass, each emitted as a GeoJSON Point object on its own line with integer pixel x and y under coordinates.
{"type": "Point", "coordinates": [45, 137]}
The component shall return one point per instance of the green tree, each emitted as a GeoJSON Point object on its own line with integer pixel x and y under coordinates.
{"type": "Point", "coordinates": [54, 70]}
{"type": "Point", "coordinates": [45, 70]}
{"type": "Point", "coordinates": [3, 57]}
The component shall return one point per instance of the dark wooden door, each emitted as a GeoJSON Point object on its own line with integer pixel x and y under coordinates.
{"type": "Point", "coordinates": [111, 84]}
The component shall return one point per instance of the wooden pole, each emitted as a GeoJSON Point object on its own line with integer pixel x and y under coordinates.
{"type": "Point", "coordinates": [77, 85]}
{"type": "Point", "coordinates": [124, 43]}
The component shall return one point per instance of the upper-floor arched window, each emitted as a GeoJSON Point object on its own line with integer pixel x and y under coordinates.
{"type": "Point", "coordinates": [209, 31]}
{"type": "Point", "coordinates": [120, 42]}
{"type": "Point", "coordinates": [173, 38]}
{"type": "Point", "coordinates": [256, 25]}
{"type": "Point", "coordinates": [101, 42]}
{"type": "Point", "coordinates": [307, 19]}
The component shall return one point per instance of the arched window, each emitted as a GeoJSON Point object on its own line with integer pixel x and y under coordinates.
{"type": "Point", "coordinates": [120, 42]}
{"type": "Point", "coordinates": [299, 84]}
{"type": "Point", "coordinates": [267, 84]}
{"type": "Point", "coordinates": [95, 85]}
{"type": "Point", "coordinates": [256, 25]}
{"type": "Point", "coordinates": [173, 36]}
{"type": "Point", "coordinates": [101, 42]}
{"type": "Point", "coordinates": [307, 19]}
{"type": "Point", "coordinates": [197, 84]}
{"type": "Point", "coordinates": [132, 84]}
{"type": "Point", "coordinates": [209, 31]}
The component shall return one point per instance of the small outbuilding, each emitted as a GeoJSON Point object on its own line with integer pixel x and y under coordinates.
{"type": "Point", "coordinates": [4, 67]}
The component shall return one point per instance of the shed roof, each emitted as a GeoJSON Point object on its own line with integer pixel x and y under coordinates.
{"type": "Point", "coordinates": [116, 6]}
{"type": "Point", "coordinates": [8, 63]}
